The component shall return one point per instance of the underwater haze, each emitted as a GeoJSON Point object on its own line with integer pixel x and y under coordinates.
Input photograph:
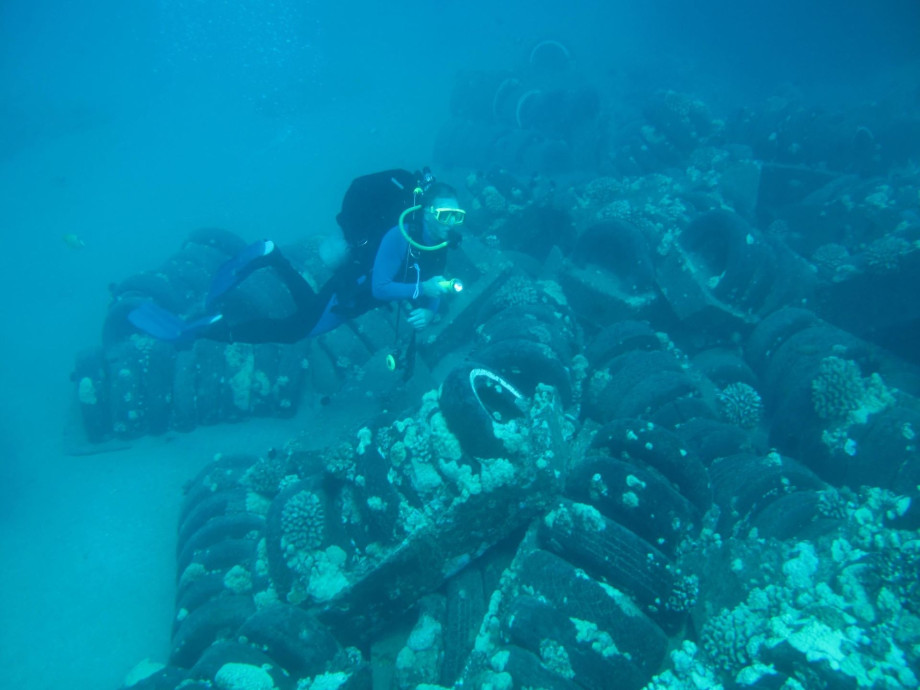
{"type": "Point", "coordinates": [124, 126]}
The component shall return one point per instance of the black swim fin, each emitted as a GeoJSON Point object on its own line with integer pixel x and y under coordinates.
{"type": "Point", "coordinates": [164, 325]}
{"type": "Point", "coordinates": [236, 269]}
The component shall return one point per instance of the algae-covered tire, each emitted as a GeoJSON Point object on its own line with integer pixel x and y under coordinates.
{"type": "Point", "coordinates": [211, 383]}
{"type": "Point", "coordinates": [525, 364]}
{"type": "Point", "coordinates": [537, 323]}
{"type": "Point", "coordinates": [622, 249]}
{"type": "Point", "coordinates": [639, 498]}
{"type": "Point", "coordinates": [153, 286]}
{"type": "Point", "coordinates": [195, 592]}
{"type": "Point", "coordinates": [772, 332]}
{"type": "Point", "coordinates": [745, 484]}
{"type": "Point", "coordinates": [90, 376]}
{"type": "Point", "coordinates": [168, 678]}
{"type": "Point", "coordinates": [720, 245]}
{"type": "Point", "coordinates": [800, 515]}
{"type": "Point", "coordinates": [292, 637]}
{"type": "Point", "coordinates": [185, 392]}
{"type": "Point", "coordinates": [219, 529]}
{"type": "Point", "coordinates": [610, 552]}
{"type": "Point", "coordinates": [314, 522]}
{"type": "Point", "coordinates": [528, 671]}
{"type": "Point", "coordinates": [638, 380]}
{"type": "Point", "coordinates": [668, 398]}
{"type": "Point", "coordinates": [226, 502]}
{"type": "Point", "coordinates": [218, 619]}
{"type": "Point", "coordinates": [618, 339]}
{"type": "Point", "coordinates": [521, 297]}
{"type": "Point", "coordinates": [225, 554]}
{"type": "Point", "coordinates": [711, 438]}
{"type": "Point", "coordinates": [466, 606]}
{"type": "Point", "coordinates": [234, 652]}
{"type": "Point", "coordinates": [887, 454]}
{"type": "Point", "coordinates": [127, 392]}
{"type": "Point", "coordinates": [580, 596]}
{"type": "Point", "coordinates": [221, 475]}
{"type": "Point", "coordinates": [645, 443]}
{"type": "Point", "coordinates": [472, 397]}
{"type": "Point", "coordinates": [159, 364]}
{"type": "Point", "coordinates": [531, 623]}
{"type": "Point", "coordinates": [723, 367]}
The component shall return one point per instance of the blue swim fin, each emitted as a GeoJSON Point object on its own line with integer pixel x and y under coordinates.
{"type": "Point", "coordinates": [236, 269]}
{"type": "Point", "coordinates": [164, 325]}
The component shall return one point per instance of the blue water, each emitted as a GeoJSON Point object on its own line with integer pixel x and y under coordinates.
{"type": "Point", "coordinates": [127, 124]}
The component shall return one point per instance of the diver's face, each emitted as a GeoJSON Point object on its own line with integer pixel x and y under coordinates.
{"type": "Point", "coordinates": [439, 228]}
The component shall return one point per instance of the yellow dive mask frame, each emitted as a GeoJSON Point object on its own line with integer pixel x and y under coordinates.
{"type": "Point", "coordinates": [448, 216]}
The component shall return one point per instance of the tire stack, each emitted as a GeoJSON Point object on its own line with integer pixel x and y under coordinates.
{"type": "Point", "coordinates": [527, 336]}
{"type": "Point", "coordinates": [135, 385]}
{"type": "Point", "coordinates": [552, 624]}
{"type": "Point", "coordinates": [724, 274]}
{"type": "Point", "coordinates": [837, 401]}
{"type": "Point", "coordinates": [409, 506]}
{"type": "Point", "coordinates": [611, 276]}
{"type": "Point", "coordinates": [693, 423]}
{"type": "Point", "coordinates": [285, 559]}
{"type": "Point", "coordinates": [224, 634]}
{"type": "Point", "coordinates": [592, 593]}
{"type": "Point", "coordinates": [535, 119]}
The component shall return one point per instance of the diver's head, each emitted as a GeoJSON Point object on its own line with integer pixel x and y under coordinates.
{"type": "Point", "coordinates": [442, 211]}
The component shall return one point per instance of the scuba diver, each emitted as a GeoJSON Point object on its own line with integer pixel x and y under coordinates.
{"type": "Point", "coordinates": [386, 263]}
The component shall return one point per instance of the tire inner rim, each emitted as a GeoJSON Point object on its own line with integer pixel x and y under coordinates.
{"type": "Point", "coordinates": [489, 385]}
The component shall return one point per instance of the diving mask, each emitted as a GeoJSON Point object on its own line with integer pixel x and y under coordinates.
{"type": "Point", "coordinates": [448, 216]}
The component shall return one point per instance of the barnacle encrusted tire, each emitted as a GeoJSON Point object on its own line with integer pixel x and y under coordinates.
{"type": "Point", "coordinates": [472, 398]}
{"type": "Point", "coordinates": [639, 498]}
{"type": "Point", "coordinates": [214, 621]}
{"type": "Point", "coordinates": [746, 484]}
{"type": "Point", "coordinates": [562, 642]}
{"type": "Point", "coordinates": [292, 637]}
{"type": "Point", "coordinates": [644, 443]}
{"type": "Point", "coordinates": [608, 551]}
{"type": "Point", "coordinates": [91, 376]}
{"type": "Point", "coordinates": [212, 535]}
{"type": "Point", "coordinates": [525, 363]}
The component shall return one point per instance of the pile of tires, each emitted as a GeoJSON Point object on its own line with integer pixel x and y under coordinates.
{"type": "Point", "coordinates": [838, 401]}
{"type": "Point", "coordinates": [223, 634]}
{"type": "Point", "coordinates": [134, 384]}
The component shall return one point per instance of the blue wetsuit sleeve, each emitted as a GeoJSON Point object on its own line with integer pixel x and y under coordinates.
{"type": "Point", "coordinates": [389, 265]}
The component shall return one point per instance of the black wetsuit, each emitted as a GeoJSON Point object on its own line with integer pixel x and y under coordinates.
{"type": "Point", "coordinates": [397, 273]}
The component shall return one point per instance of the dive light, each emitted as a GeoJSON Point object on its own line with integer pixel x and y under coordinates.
{"type": "Point", "coordinates": [452, 285]}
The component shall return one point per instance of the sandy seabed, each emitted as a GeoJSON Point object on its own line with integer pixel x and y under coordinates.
{"type": "Point", "coordinates": [87, 586]}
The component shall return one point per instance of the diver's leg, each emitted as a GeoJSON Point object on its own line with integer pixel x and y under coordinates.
{"type": "Point", "coordinates": [289, 329]}
{"type": "Point", "coordinates": [308, 306]}
{"type": "Point", "coordinates": [235, 270]}
{"type": "Point", "coordinates": [299, 325]}
{"type": "Point", "coordinates": [329, 319]}
{"type": "Point", "coordinates": [301, 293]}
{"type": "Point", "coordinates": [312, 313]}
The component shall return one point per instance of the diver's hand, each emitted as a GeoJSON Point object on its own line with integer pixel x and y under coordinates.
{"type": "Point", "coordinates": [434, 287]}
{"type": "Point", "coordinates": [421, 317]}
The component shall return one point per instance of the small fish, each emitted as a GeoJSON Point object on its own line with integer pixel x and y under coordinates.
{"type": "Point", "coordinates": [73, 241]}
